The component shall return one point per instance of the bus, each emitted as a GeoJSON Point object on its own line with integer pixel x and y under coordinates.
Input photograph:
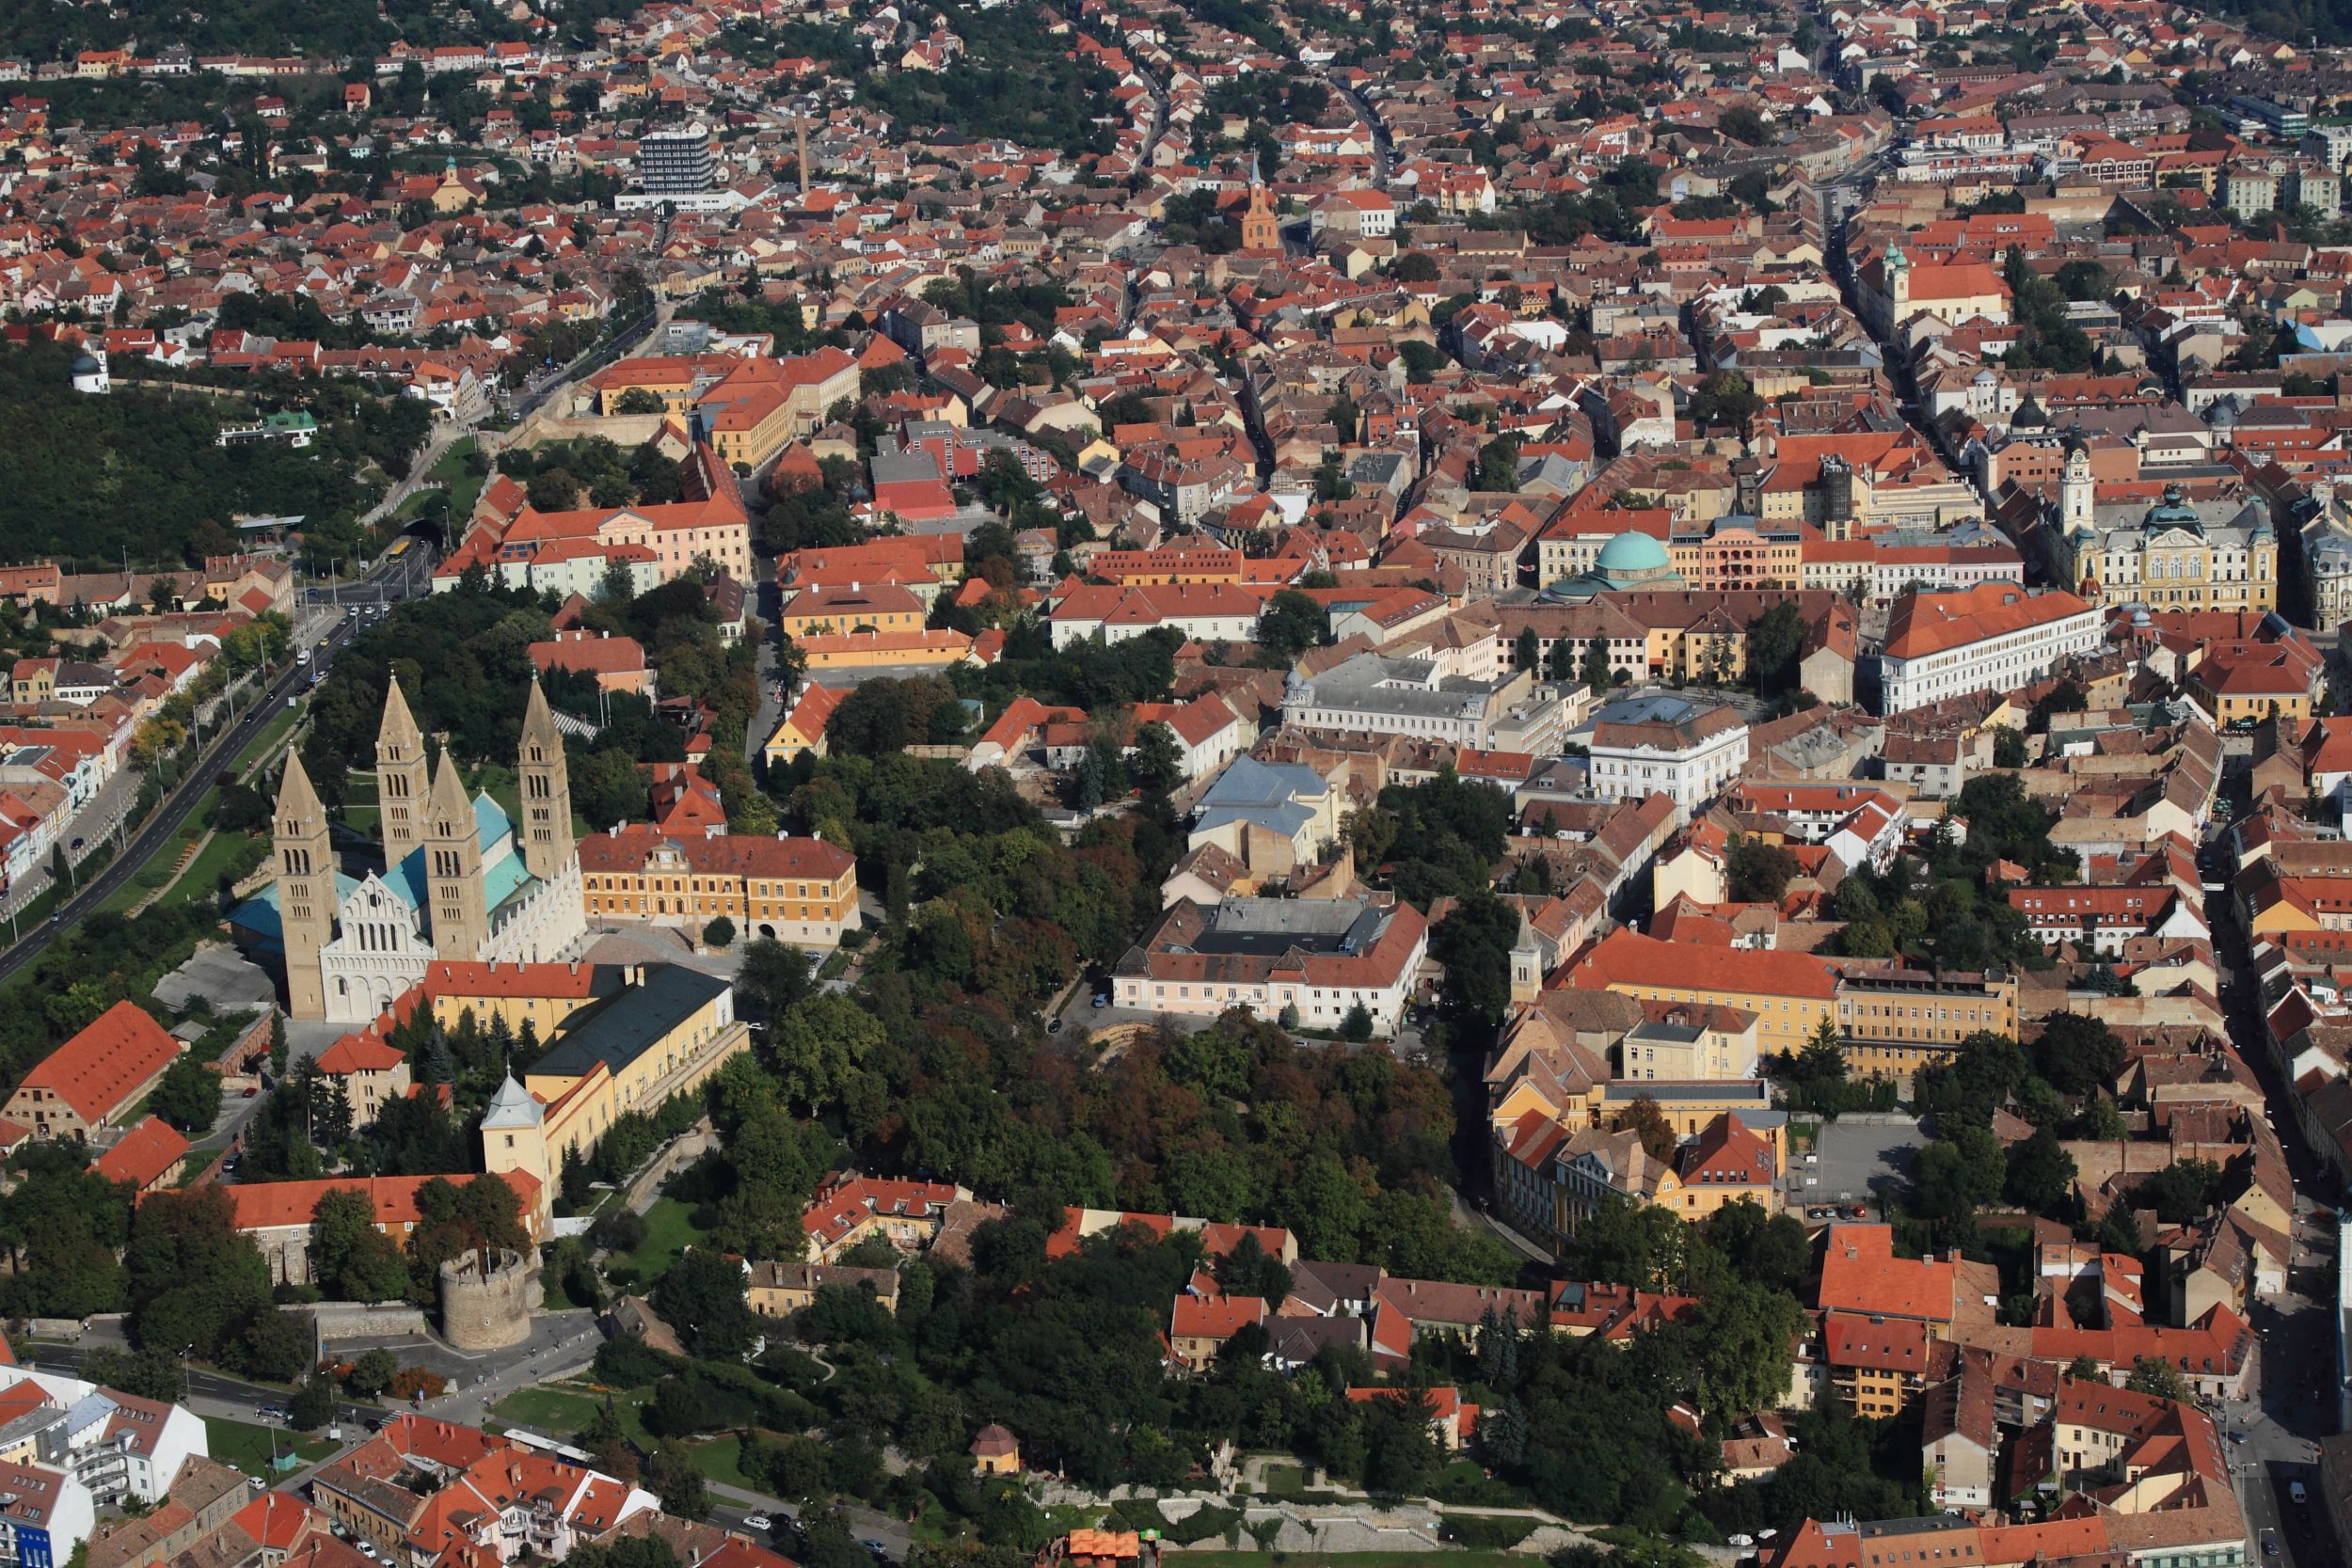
{"type": "Point", "coordinates": [400, 546]}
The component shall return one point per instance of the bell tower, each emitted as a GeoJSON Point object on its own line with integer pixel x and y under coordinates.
{"type": "Point", "coordinates": [453, 856]}
{"type": "Point", "coordinates": [306, 888]}
{"type": "Point", "coordinates": [2075, 489]}
{"type": "Point", "coordinates": [401, 778]}
{"type": "Point", "coordinates": [547, 791]}
{"type": "Point", "coordinates": [1260, 229]}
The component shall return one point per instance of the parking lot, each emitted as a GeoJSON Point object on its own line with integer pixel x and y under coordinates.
{"type": "Point", "coordinates": [1855, 1160]}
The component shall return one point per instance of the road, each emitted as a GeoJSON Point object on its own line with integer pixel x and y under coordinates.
{"type": "Point", "coordinates": [2272, 1436]}
{"type": "Point", "coordinates": [175, 807]}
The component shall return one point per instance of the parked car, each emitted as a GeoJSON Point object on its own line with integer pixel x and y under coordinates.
{"type": "Point", "coordinates": [758, 1521]}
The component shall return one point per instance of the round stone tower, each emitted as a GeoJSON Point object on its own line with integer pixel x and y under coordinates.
{"type": "Point", "coordinates": [486, 1298]}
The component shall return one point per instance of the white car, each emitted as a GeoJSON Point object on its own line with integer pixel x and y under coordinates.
{"type": "Point", "coordinates": [758, 1521]}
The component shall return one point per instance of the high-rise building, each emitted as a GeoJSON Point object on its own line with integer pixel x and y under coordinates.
{"type": "Point", "coordinates": [674, 161]}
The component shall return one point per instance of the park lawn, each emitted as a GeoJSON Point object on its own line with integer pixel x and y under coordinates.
{"type": "Point", "coordinates": [201, 880]}
{"type": "Point", "coordinates": [720, 1460]}
{"type": "Point", "coordinates": [670, 1229]}
{"type": "Point", "coordinates": [246, 1446]}
{"type": "Point", "coordinates": [557, 1412]}
{"type": "Point", "coordinates": [465, 486]}
{"type": "Point", "coordinates": [1285, 1480]}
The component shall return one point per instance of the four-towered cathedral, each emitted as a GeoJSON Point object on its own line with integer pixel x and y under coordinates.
{"type": "Point", "coordinates": [459, 880]}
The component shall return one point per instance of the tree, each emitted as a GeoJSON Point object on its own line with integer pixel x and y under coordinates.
{"type": "Point", "coordinates": [1415, 266]}
{"type": "Point", "coordinates": [1776, 649]}
{"type": "Point", "coordinates": [701, 1296]}
{"type": "Point", "coordinates": [1745, 1331]}
{"type": "Point", "coordinates": [640, 399]}
{"type": "Point", "coordinates": [2041, 1174]}
{"type": "Point", "coordinates": [772, 978]}
{"type": "Point", "coordinates": [676, 1482]}
{"type": "Point", "coordinates": [372, 1372]}
{"type": "Point", "coordinates": [720, 933]}
{"type": "Point", "coordinates": [1648, 1123]}
{"type": "Point", "coordinates": [1357, 1025]}
{"type": "Point", "coordinates": [2154, 1374]}
{"type": "Point", "coordinates": [313, 1404]}
{"type": "Point", "coordinates": [1597, 671]}
{"type": "Point", "coordinates": [1756, 871]}
{"type": "Point", "coordinates": [1158, 763]}
{"type": "Point", "coordinates": [1526, 652]}
{"type": "Point", "coordinates": [2078, 1052]}
{"type": "Point", "coordinates": [188, 1095]}
{"type": "Point", "coordinates": [1291, 624]}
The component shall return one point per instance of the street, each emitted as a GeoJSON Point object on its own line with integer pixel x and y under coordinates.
{"type": "Point", "coordinates": [2273, 1437]}
{"type": "Point", "coordinates": [393, 578]}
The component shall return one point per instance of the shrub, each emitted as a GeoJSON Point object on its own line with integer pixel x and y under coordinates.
{"type": "Point", "coordinates": [719, 933]}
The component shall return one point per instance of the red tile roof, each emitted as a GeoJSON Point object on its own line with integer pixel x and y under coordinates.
{"type": "Point", "coordinates": [99, 1069]}
{"type": "Point", "coordinates": [144, 1154]}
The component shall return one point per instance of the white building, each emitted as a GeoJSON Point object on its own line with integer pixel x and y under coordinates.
{"type": "Point", "coordinates": [1323, 957]}
{"type": "Point", "coordinates": [1374, 694]}
{"type": "Point", "coordinates": [1665, 745]}
{"type": "Point", "coordinates": [1992, 638]}
{"type": "Point", "coordinates": [97, 1445]}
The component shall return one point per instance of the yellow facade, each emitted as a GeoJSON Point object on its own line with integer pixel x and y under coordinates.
{"type": "Point", "coordinates": [663, 1034]}
{"type": "Point", "coordinates": [807, 910]}
{"type": "Point", "coordinates": [1893, 1028]}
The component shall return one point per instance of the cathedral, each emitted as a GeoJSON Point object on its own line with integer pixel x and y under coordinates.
{"type": "Point", "coordinates": [459, 880]}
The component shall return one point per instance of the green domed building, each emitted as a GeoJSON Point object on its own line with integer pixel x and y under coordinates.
{"type": "Point", "coordinates": [1631, 562]}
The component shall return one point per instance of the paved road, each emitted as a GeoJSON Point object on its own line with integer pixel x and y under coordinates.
{"type": "Point", "coordinates": [2274, 1432]}
{"type": "Point", "coordinates": [167, 818]}
{"type": "Point", "coordinates": [390, 580]}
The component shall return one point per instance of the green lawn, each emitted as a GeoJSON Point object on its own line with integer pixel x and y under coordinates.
{"type": "Point", "coordinates": [465, 487]}
{"type": "Point", "coordinates": [720, 1460]}
{"type": "Point", "coordinates": [157, 873]}
{"type": "Point", "coordinates": [669, 1230]}
{"type": "Point", "coordinates": [246, 1446]}
{"type": "Point", "coordinates": [558, 1412]}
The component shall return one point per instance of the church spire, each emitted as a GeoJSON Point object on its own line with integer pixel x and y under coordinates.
{"type": "Point", "coordinates": [459, 914]}
{"type": "Point", "coordinates": [546, 830]}
{"type": "Point", "coordinates": [400, 778]}
{"type": "Point", "coordinates": [306, 887]}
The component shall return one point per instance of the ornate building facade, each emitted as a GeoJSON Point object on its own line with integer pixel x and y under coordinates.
{"type": "Point", "coordinates": [460, 881]}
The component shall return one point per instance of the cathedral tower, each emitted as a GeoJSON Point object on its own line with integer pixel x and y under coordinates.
{"type": "Point", "coordinates": [401, 778]}
{"type": "Point", "coordinates": [453, 853]}
{"type": "Point", "coordinates": [306, 888]}
{"type": "Point", "coordinates": [547, 791]}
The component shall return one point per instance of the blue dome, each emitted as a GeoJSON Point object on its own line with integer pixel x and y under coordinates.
{"type": "Point", "coordinates": [1630, 553]}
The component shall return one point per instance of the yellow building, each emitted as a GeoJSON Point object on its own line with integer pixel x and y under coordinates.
{"type": "Point", "coordinates": [778, 1290]}
{"type": "Point", "coordinates": [803, 891]}
{"type": "Point", "coordinates": [1894, 1025]}
{"type": "Point", "coordinates": [1789, 993]}
{"type": "Point", "coordinates": [662, 1032]}
{"type": "Point", "coordinates": [877, 649]}
{"type": "Point", "coordinates": [833, 610]}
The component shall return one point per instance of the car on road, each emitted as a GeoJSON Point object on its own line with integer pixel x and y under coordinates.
{"type": "Point", "coordinates": [2297, 1495]}
{"type": "Point", "coordinates": [876, 1547]}
{"type": "Point", "coordinates": [257, 1484]}
{"type": "Point", "coordinates": [1102, 999]}
{"type": "Point", "coordinates": [758, 1521]}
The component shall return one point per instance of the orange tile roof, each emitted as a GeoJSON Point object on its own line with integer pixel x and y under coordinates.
{"type": "Point", "coordinates": [268, 1205]}
{"type": "Point", "coordinates": [360, 1054]}
{"type": "Point", "coordinates": [146, 1152]}
{"type": "Point", "coordinates": [1926, 624]}
{"type": "Point", "coordinates": [1860, 1273]}
{"type": "Point", "coordinates": [99, 1069]}
{"type": "Point", "coordinates": [1626, 957]}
